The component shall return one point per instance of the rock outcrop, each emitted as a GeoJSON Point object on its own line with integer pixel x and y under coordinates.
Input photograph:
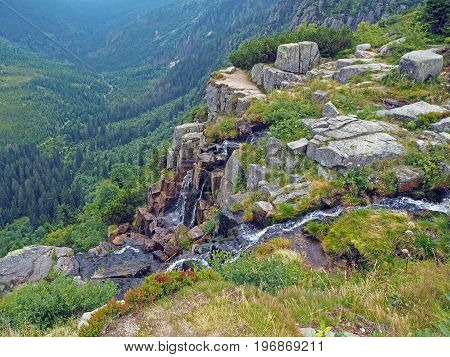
{"type": "Point", "coordinates": [421, 65]}
{"type": "Point", "coordinates": [345, 73]}
{"type": "Point", "coordinates": [344, 141]}
{"type": "Point", "coordinates": [230, 91]}
{"type": "Point", "coordinates": [33, 263]}
{"type": "Point", "coordinates": [271, 78]}
{"type": "Point", "coordinates": [410, 112]}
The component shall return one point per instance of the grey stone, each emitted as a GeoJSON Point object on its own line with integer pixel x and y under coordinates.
{"type": "Point", "coordinates": [320, 96]}
{"type": "Point", "coordinates": [345, 62]}
{"type": "Point", "coordinates": [411, 111]}
{"type": "Point", "coordinates": [256, 174]}
{"type": "Point", "coordinates": [408, 179]}
{"type": "Point", "coordinates": [329, 110]}
{"type": "Point", "coordinates": [441, 125]}
{"type": "Point", "coordinates": [421, 65]}
{"type": "Point", "coordinates": [365, 54]}
{"type": "Point", "coordinates": [298, 147]}
{"type": "Point", "coordinates": [274, 153]}
{"type": "Point", "coordinates": [389, 47]}
{"type": "Point", "coordinates": [272, 78]}
{"type": "Point", "coordinates": [363, 47]}
{"type": "Point", "coordinates": [346, 141]}
{"type": "Point", "coordinates": [228, 183]}
{"type": "Point", "coordinates": [181, 130]}
{"type": "Point", "coordinates": [297, 57]}
{"type": "Point", "coordinates": [286, 197]}
{"type": "Point", "coordinates": [33, 263]}
{"type": "Point", "coordinates": [223, 93]}
{"type": "Point", "coordinates": [358, 151]}
{"type": "Point", "coordinates": [345, 73]}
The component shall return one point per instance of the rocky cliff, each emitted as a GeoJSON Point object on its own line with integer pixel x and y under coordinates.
{"type": "Point", "coordinates": [345, 13]}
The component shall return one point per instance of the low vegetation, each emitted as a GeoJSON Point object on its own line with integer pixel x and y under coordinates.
{"type": "Point", "coordinates": [263, 50]}
{"type": "Point", "coordinates": [34, 309]}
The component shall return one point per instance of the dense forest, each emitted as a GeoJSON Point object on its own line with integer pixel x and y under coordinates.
{"type": "Point", "coordinates": [89, 86]}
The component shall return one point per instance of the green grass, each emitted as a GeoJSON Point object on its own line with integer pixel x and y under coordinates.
{"type": "Point", "coordinates": [367, 234]}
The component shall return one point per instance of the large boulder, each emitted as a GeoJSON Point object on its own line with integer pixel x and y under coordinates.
{"type": "Point", "coordinates": [272, 78]}
{"type": "Point", "coordinates": [34, 263]}
{"type": "Point", "coordinates": [181, 130]}
{"type": "Point", "coordinates": [346, 141]}
{"type": "Point", "coordinates": [358, 151]}
{"type": "Point", "coordinates": [421, 65]}
{"type": "Point", "coordinates": [297, 57]}
{"type": "Point", "coordinates": [410, 112]}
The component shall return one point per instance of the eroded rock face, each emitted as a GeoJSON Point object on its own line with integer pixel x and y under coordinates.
{"type": "Point", "coordinates": [411, 111]}
{"type": "Point", "coordinates": [256, 175]}
{"type": "Point", "coordinates": [421, 65]}
{"type": "Point", "coordinates": [35, 262]}
{"type": "Point", "coordinates": [408, 179]}
{"type": "Point", "coordinates": [297, 57]}
{"type": "Point", "coordinates": [345, 141]}
{"type": "Point", "coordinates": [272, 78]}
{"type": "Point", "coordinates": [230, 92]}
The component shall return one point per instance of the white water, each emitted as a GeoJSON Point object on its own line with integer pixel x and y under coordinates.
{"type": "Point", "coordinates": [194, 211]}
{"type": "Point", "coordinates": [250, 235]}
{"type": "Point", "coordinates": [184, 194]}
{"type": "Point", "coordinates": [409, 204]}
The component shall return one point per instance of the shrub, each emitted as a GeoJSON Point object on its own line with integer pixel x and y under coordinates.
{"type": "Point", "coordinates": [154, 287]}
{"type": "Point", "coordinates": [436, 16]}
{"type": "Point", "coordinates": [44, 304]}
{"type": "Point", "coordinates": [373, 34]}
{"type": "Point", "coordinates": [225, 128]}
{"type": "Point", "coordinates": [264, 49]}
{"type": "Point", "coordinates": [316, 228]}
{"type": "Point", "coordinates": [430, 163]}
{"type": "Point", "coordinates": [367, 235]}
{"type": "Point", "coordinates": [424, 120]}
{"type": "Point", "coordinates": [269, 274]}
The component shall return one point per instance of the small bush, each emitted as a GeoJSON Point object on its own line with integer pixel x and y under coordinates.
{"type": "Point", "coordinates": [316, 228]}
{"type": "Point", "coordinates": [269, 274]}
{"type": "Point", "coordinates": [424, 120]}
{"type": "Point", "coordinates": [44, 304]}
{"type": "Point", "coordinates": [224, 129]}
{"type": "Point", "coordinates": [154, 287]}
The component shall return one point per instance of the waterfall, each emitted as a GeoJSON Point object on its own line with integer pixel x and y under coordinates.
{"type": "Point", "coordinates": [194, 209]}
{"type": "Point", "coordinates": [184, 194]}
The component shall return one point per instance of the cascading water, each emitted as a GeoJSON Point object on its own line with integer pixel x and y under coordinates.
{"type": "Point", "coordinates": [184, 194]}
{"type": "Point", "coordinates": [197, 201]}
{"type": "Point", "coordinates": [249, 235]}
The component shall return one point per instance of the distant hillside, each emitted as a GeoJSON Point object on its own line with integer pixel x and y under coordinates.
{"type": "Point", "coordinates": [340, 13]}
